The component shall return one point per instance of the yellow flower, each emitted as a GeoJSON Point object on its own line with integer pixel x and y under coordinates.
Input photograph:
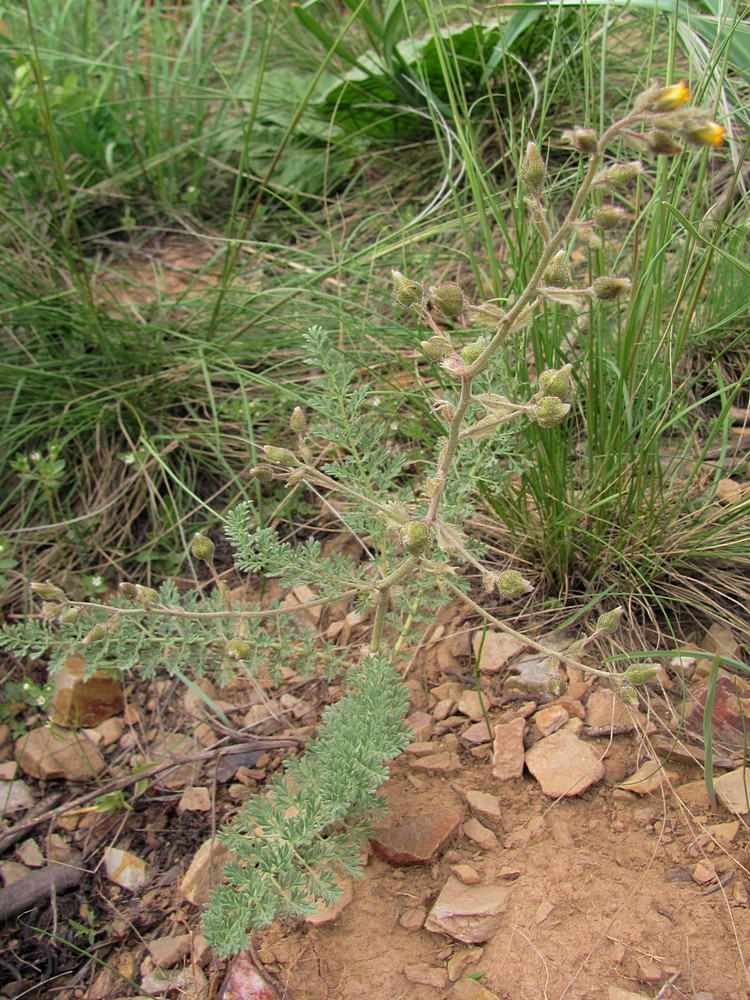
{"type": "Point", "coordinates": [669, 98]}
{"type": "Point", "coordinates": [704, 133]}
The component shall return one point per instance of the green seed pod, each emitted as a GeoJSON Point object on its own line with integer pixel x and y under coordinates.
{"type": "Point", "coordinates": [606, 217]}
{"type": "Point", "coordinates": [609, 622]}
{"type": "Point", "coordinates": [69, 616]}
{"type": "Point", "coordinates": [405, 291]}
{"type": "Point", "coordinates": [202, 548]}
{"type": "Point", "coordinates": [585, 140]}
{"type": "Point", "coordinates": [661, 144]}
{"type": "Point", "coordinates": [128, 590]}
{"type": "Point", "coordinates": [449, 299]}
{"type": "Point", "coordinates": [297, 421]}
{"type": "Point", "coordinates": [414, 537]}
{"type": "Point", "coordinates": [282, 456]}
{"type": "Point", "coordinates": [48, 591]}
{"type": "Point", "coordinates": [147, 597]}
{"type": "Point", "coordinates": [550, 411]}
{"type": "Point", "coordinates": [436, 348]}
{"type": "Point", "coordinates": [113, 624]}
{"type": "Point", "coordinates": [512, 585]}
{"type": "Point", "coordinates": [237, 649]}
{"type": "Point", "coordinates": [295, 476]}
{"type": "Point", "coordinates": [557, 685]}
{"type": "Point", "coordinates": [640, 673]}
{"type": "Point", "coordinates": [628, 694]}
{"type": "Point", "coordinates": [533, 172]}
{"type": "Point", "coordinates": [262, 473]}
{"type": "Point", "coordinates": [557, 382]}
{"type": "Point", "coordinates": [471, 352]}
{"type": "Point", "coordinates": [608, 288]}
{"type": "Point", "coordinates": [556, 273]}
{"type": "Point", "coordinates": [97, 633]}
{"type": "Point", "coordinates": [50, 610]}
{"type": "Point", "coordinates": [618, 175]}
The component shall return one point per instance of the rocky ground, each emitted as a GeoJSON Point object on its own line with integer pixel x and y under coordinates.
{"type": "Point", "coordinates": [570, 851]}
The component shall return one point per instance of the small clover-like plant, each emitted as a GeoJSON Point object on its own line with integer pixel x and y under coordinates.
{"type": "Point", "coordinates": [289, 843]}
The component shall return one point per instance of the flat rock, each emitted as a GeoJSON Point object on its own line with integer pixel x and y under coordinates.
{"type": "Point", "coordinates": [484, 804]}
{"type": "Point", "coordinates": [125, 869]}
{"type": "Point", "coordinates": [470, 989]}
{"type": "Point", "coordinates": [190, 982]}
{"type": "Point", "coordinates": [418, 841]}
{"type": "Point", "coordinates": [77, 702]}
{"type": "Point", "coordinates": [15, 797]}
{"type": "Point", "coordinates": [564, 765]}
{"type": "Point", "coordinates": [50, 752]}
{"type": "Point", "coordinates": [413, 919]}
{"type": "Point", "coordinates": [551, 718]}
{"type": "Point", "coordinates": [168, 951]}
{"type": "Point", "coordinates": [722, 640]}
{"type": "Point", "coordinates": [466, 874]}
{"type": "Point", "coordinates": [498, 649]}
{"type": "Point", "coordinates": [604, 708]}
{"type": "Point", "coordinates": [476, 735]}
{"type": "Point", "coordinates": [731, 706]}
{"type": "Point", "coordinates": [531, 672]}
{"type": "Point", "coordinates": [29, 853]}
{"type": "Point", "coordinates": [468, 913]}
{"type": "Point", "coordinates": [204, 872]}
{"type": "Point", "coordinates": [243, 981]}
{"type": "Point", "coordinates": [485, 838]}
{"type": "Point", "coordinates": [618, 993]}
{"type": "Point", "coordinates": [460, 960]}
{"type": "Point", "coordinates": [195, 799]}
{"type": "Point", "coordinates": [176, 747]}
{"type": "Point", "coordinates": [421, 725]}
{"type": "Point", "coordinates": [426, 975]}
{"type": "Point", "coordinates": [508, 756]}
{"type": "Point", "coordinates": [445, 762]}
{"type": "Point", "coordinates": [648, 778]}
{"type": "Point", "coordinates": [470, 704]}
{"type": "Point", "coordinates": [732, 792]}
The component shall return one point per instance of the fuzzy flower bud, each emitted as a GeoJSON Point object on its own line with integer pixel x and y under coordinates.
{"type": "Point", "coordinates": [147, 597]}
{"type": "Point", "coordinates": [471, 352]}
{"type": "Point", "coordinates": [405, 291]}
{"type": "Point", "coordinates": [449, 299]}
{"type": "Point", "coordinates": [550, 411]}
{"type": "Point", "coordinates": [607, 288]}
{"type": "Point", "coordinates": [609, 622]}
{"type": "Point", "coordinates": [280, 455]}
{"type": "Point", "coordinates": [128, 590]}
{"type": "Point", "coordinates": [618, 175]}
{"type": "Point", "coordinates": [661, 144]}
{"type": "Point", "coordinates": [97, 633]}
{"type": "Point", "coordinates": [69, 616]}
{"type": "Point", "coordinates": [237, 649]}
{"type": "Point", "coordinates": [557, 382]}
{"type": "Point", "coordinates": [262, 473]}
{"type": "Point", "coordinates": [297, 420]}
{"type": "Point", "coordinates": [414, 537]}
{"type": "Point", "coordinates": [640, 673]}
{"type": "Point", "coordinates": [48, 591]}
{"type": "Point", "coordinates": [295, 476]}
{"type": "Point", "coordinates": [556, 273]}
{"type": "Point", "coordinates": [50, 610]}
{"type": "Point", "coordinates": [511, 584]}
{"type": "Point", "coordinates": [202, 548]}
{"type": "Point", "coordinates": [585, 140]}
{"type": "Point", "coordinates": [557, 685]}
{"type": "Point", "coordinates": [702, 132]}
{"type": "Point", "coordinates": [663, 98]}
{"type": "Point", "coordinates": [436, 348]}
{"type": "Point", "coordinates": [533, 172]}
{"type": "Point", "coordinates": [608, 216]}
{"type": "Point", "coordinates": [628, 694]}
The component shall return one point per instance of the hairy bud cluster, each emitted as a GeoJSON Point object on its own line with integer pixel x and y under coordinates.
{"type": "Point", "coordinates": [48, 591]}
{"type": "Point", "coordinates": [640, 673]}
{"type": "Point", "coordinates": [202, 548]}
{"type": "Point", "coordinates": [608, 288]}
{"type": "Point", "coordinates": [449, 299]}
{"type": "Point", "coordinates": [512, 585]}
{"type": "Point", "coordinates": [618, 175]}
{"type": "Point", "coordinates": [557, 382]}
{"type": "Point", "coordinates": [297, 420]}
{"type": "Point", "coordinates": [262, 473]}
{"type": "Point", "coordinates": [405, 291]}
{"type": "Point", "coordinates": [437, 348]}
{"type": "Point", "coordinates": [533, 172]}
{"type": "Point", "coordinates": [585, 140]}
{"type": "Point", "coordinates": [556, 273]}
{"type": "Point", "coordinates": [607, 217]}
{"type": "Point", "coordinates": [609, 622]}
{"type": "Point", "coordinates": [282, 456]}
{"type": "Point", "coordinates": [550, 411]}
{"type": "Point", "coordinates": [414, 537]}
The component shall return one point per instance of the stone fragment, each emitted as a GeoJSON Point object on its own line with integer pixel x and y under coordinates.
{"type": "Point", "coordinates": [12, 871]}
{"type": "Point", "coordinates": [694, 794]}
{"type": "Point", "coordinates": [476, 735]}
{"type": "Point", "coordinates": [543, 911]}
{"type": "Point", "coordinates": [733, 790]}
{"type": "Point", "coordinates": [460, 960]}
{"type": "Point", "coordinates": [724, 834]}
{"type": "Point", "coordinates": [443, 709]}
{"type": "Point", "coordinates": [484, 804]}
{"type": "Point", "coordinates": [418, 841]}
{"type": "Point", "coordinates": [722, 640]}
{"type": "Point", "coordinates": [508, 756]}
{"type": "Point", "coordinates": [731, 708]}
{"type": "Point", "coordinates": [604, 708]}
{"type": "Point", "coordinates": [471, 989]}
{"type": "Point", "coordinates": [704, 872]}
{"type": "Point", "coordinates": [470, 704]}
{"type": "Point", "coordinates": [77, 702]}
{"type": "Point", "coordinates": [649, 970]}
{"type": "Point", "coordinates": [195, 799]}
{"type": "Point", "coordinates": [648, 778]}
{"type": "Point", "coordinates": [125, 869]}
{"type": "Point", "coordinates": [176, 747]}
{"type": "Point", "coordinates": [498, 649]}
{"type": "Point", "coordinates": [189, 982]}
{"type": "Point", "coordinates": [327, 914]}
{"type": "Point", "coordinates": [531, 672]}
{"type": "Point", "coordinates": [420, 749]}
{"type": "Point", "coordinates": [445, 762]}
{"type": "Point", "coordinates": [485, 838]}
{"type": "Point", "coordinates": [551, 718]}
{"type": "Point", "coordinates": [421, 725]}
{"type": "Point", "coordinates": [204, 872]}
{"type": "Point", "coordinates": [15, 797]}
{"type": "Point", "coordinates": [618, 993]}
{"type": "Point", "coordinates": [466, 874]}
{"type": "Point", "coordinates": [243, 981]}
{"type": "Point", "coordinates": [168, 951]}
{"type": "Point", "coordinates": [560, 833]}
{"type": "Point", "coordinates": [564, 765]}
{"type": "Point", "coordinates": [263, 712]}
{"type": "Point", "coordinates": [413, 919]}
{"type": "Point", "coordinates": [29, 854]}
{"type": "Point", "coordinates": [426, 975]}
{"type": "Point", "coordinates": [468, 913]}
{"type": "Point", "coordinates": [449, 690]}
{"type": "Point", "coordinates": [50, 752]}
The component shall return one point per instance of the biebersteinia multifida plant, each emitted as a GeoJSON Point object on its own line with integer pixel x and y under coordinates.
{"type": "Point", "coordinates": [289, 844]}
